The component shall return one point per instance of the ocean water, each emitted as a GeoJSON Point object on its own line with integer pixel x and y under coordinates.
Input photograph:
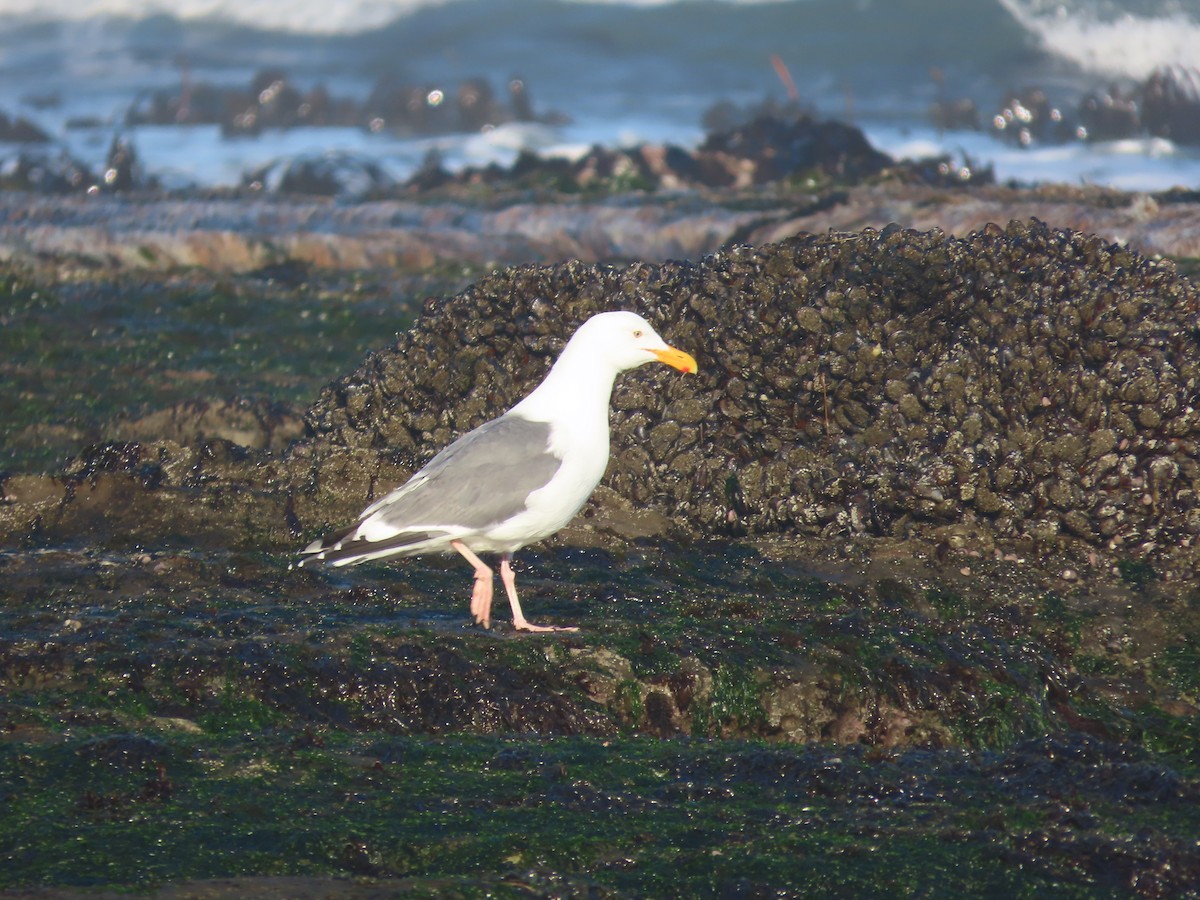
{"type": "Point", "coordinates": [620, 72]}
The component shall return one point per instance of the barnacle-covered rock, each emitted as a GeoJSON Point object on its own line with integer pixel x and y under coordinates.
{"type": "Point", "coordinates": [1035, 380]}
{"type": "Point", "coordinates": [1034, 386]}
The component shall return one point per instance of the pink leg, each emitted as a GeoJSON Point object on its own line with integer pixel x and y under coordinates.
{"type": "Point", "coordinates": [510, 586]}
{"type": "Point", "coordinates": [481, 593]}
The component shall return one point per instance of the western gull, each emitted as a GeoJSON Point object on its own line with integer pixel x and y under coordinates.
{"type": "Point", "coordinates": [516, 479]}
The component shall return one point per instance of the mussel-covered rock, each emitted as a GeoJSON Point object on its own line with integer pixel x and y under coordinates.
{"type": "Point", "coordinates": [1035, 381]}
{"type": "Point", "coordinates": [1028, 386]}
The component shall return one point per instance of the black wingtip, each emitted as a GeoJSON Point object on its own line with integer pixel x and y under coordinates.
{"type": "Point", "coordinates": [362, 550]}
{"type": "Point", "coordinates": [319, 550]}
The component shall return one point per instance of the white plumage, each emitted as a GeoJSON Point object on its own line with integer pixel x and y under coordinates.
{"type": "Point", "coordinates": [516, 479]}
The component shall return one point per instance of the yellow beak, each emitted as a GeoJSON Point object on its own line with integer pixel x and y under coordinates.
{"type": "Point", "coordinates": [677, 359]}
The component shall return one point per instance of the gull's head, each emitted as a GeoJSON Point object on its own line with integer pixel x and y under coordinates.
{"type": "Point", "coordinates": [625, 341]}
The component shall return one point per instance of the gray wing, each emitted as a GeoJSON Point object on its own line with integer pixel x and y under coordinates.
{"type": "Point", "coordinates": [481, 479]}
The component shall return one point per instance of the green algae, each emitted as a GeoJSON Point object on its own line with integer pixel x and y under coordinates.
{"type": "Point", "coordinates": [1066, 623]}
{"type": "Point", "coordinates": [660, 818]}
{"type": "Point", "coordinates": [202, 633]}
{"type": "Point", "coordinates": [1136, 572]}
{"type": "Point", "coordinates": [1179, 665]}
{"type": "Point", "coordinates": [736, 700]}
{"type": "Point", "coordinates": [173, 717]}
{"type": "Point", "coordinates": [85, 351]}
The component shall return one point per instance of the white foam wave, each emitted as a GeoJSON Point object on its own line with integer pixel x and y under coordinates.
{"type": "Point", "coordinates": [1124, 45]}
{"type": "Point", "coordinates": [307, 16]}
{"type": "Point", "coordinates": [304, 16]}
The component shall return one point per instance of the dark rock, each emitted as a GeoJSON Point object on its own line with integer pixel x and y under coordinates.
{"type": "Point", "coordinates": [1035, 383]}
{"type": "Point", "coordinates": [20, 130]}
{"type": "Point", "coordinates": [1108, 115]}
{"type": "Point", "coordinates": [778, 148]}
{"type": "Point", "coordinates": [46, 172]}
{"type": "Point", "coordinates": [1005, 363]}
{"type": "Point", "coordinates": [1171, 104]}
{"type": "Point", "coordinates": [765, 149]}
{"type": "Point", "coordinates": [334, 174]}
{"type": "Point", "coordinates": [272, 101]}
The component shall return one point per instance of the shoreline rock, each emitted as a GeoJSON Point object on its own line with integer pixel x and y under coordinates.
{"type": "Point", "coordinates": [242, 234]}
{"type": "Point", "coordinates": [1024, 387]}
{"type": "Point", "coordinates": [1029, 381]}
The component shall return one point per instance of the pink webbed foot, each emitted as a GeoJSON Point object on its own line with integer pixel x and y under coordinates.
{"type": "Point", "coordinates": [483, 589]}
{"type": "Point", "coordinates": [481, 599]}
{"type": "Point", "coordinates": [520, 623]}
{"type": "Point", "coordinates": [526, 625]}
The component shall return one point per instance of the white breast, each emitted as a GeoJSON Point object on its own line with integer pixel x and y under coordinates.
{"type": "Point", "coordinates": [584, 450]}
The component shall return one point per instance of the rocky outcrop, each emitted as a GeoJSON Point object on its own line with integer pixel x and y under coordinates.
{"type": "Point", "coordinates": [1030, 381]}
{"type": "Point", "coordinates": [1026, 386]}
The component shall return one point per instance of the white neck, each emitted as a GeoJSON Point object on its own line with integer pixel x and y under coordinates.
{"type": "Point", "coordinates": [577, 380]}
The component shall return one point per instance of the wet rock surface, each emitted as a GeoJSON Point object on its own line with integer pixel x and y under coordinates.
{"type": "Point", "coordinates": [92, 354]}
{"type": "Point", "coordinates": [1030, 385]}
{"type": "Point", "coordinates": [452, 227]}
{"type": "Point", "coordinates": [851, 614]}
{"type": "Point", "coordinates": [768, 149]}
{"type": "Point", "coordinates": [272, 100]}
{"type": "Point", "coordinates": [720, 697]}
{"type": "Point", "coordinates": [251, 234]}
{"type": "Point", "coordinates": [1163, 105]}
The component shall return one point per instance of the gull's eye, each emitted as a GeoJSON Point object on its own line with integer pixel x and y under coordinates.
{"type": "Point", "coordinates": [637, 333]}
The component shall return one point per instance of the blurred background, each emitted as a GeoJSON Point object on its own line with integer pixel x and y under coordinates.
{"type": "Point", "coordinates": [213, 93]}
